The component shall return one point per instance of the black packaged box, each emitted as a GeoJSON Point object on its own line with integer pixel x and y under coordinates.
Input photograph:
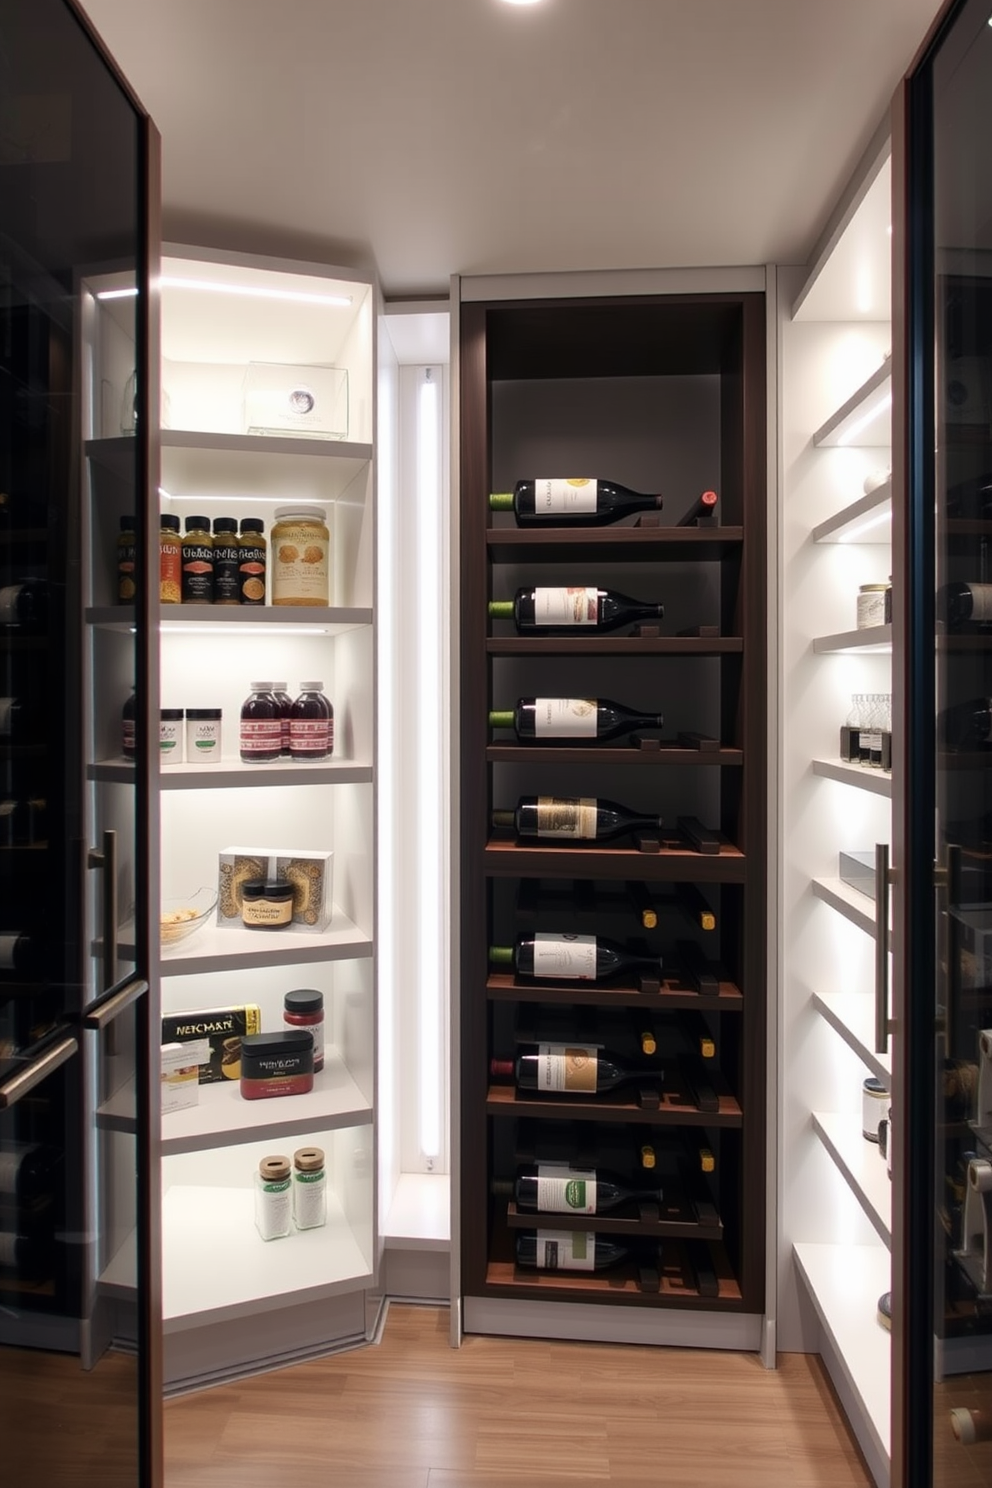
{"type": "Point", "coordinates": [220, 1031]}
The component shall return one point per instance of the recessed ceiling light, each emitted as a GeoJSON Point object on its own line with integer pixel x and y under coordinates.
{"type": "Point", "coordinates": [537, 2]}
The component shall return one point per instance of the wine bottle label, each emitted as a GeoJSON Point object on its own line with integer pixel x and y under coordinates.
{"type": "Point", "coordinates": [565, 1190]}
{"type": "Point", "coordinates": [566, 816]}
{"type": "Point", "coordinates": [565, 495]}
{"type": "Point", "coordinates": [8, 604]}
{"type": "Point", "coordinates": [571, 956]}
{"type": "Point", "coordinates": [566, 606]}
{"type": "Point", "coordinates": [981, 603]}
{"type": "Point", "coordinates": [568, 1067]}
{"type": "Point", "coordinates": [566, 1250]}
{"type": "Point", "coordinates": [7, 944]}
{"type": "Point", "coordinates": [565, 718]}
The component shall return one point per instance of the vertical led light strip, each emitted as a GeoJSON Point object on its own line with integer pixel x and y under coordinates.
{"type": "Point", "coordinates": [387, 634]}
{"type": "Point", "coordinates": [432, 936]}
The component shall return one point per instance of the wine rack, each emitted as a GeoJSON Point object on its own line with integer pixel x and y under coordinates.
{"type": "Point", "coordinates": [663, 393]}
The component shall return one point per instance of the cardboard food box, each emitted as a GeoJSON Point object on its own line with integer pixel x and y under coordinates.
{"type": "Point", "coordinates": [181, 1075]}
{"type": "Point", "coordinates": [218, 1032]}
{"type": "Point", "coordinates": [309, 872]}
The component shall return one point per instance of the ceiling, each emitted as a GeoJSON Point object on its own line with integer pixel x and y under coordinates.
{"type": "Point", "coordinates": [431, 137]}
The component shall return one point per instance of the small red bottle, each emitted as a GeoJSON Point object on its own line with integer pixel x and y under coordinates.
{"type": "Point", "coordinates": [311, 724]}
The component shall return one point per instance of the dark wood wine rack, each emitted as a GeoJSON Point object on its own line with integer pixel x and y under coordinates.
{"type": "Point", "coordinates": [641, 390]}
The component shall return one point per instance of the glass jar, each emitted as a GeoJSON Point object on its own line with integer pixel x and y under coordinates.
{"type": "Point", "coordinates": [127, 571]}
{"type": "Point", "coordinates": [198, 562]}
{"type": "Point", "coordinates": [300, 556]}
{"type": "Point", "coordinates": [311, 724]}
{"type": "Point", "coordinates": [274, 1198]}
{"type": "Point", "coordinates": [227, 562]}
{"type": "Point", "coordinates": [309, 1188]}
{"type": "Point", "coordinates": [203, 736]}
{"type": "Point", "coordinates": [266, 904]}
{"type": "Point", "coordinates": [170, 561]}
{"type": "Point", "coordinates": [261, 726]}
{"type": "Point", "coordinates": [285, 702]}
{"type": "Point", "coordinates": [872, 605]}
{"type": "Point", "coordinates": [304, 1008]}
{"type": "Point", "coordinates": [170, 736]}
{"type": "Point", "coordinates": [251, 546]}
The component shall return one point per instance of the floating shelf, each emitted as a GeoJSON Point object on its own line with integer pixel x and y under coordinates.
{"type": "Point", "coordinates": [852, 1015]}
{"type": "Point", "coordinates": [231, 774]}
{"type": "Point", "coordinates": [850, 903]}
{"type": "Point", "coordinates": [668, 754]}
{"type": "Point", "coordinates": [650, 544]}
{"type": "Point", "coordinates": [865, 419]}
{"type": "Point", "coordinates": [593, 646]}
{"type": "Point", "coordinates": [674, 1109]}
{"type": "Point", "coordinates": [219, 619]}
{"type": "Point", "coordinates": [864, 521]}
{"type": "Point", "coordinates": [513, 860]}
{"type": "Point", "coordinates": [213, 948]}
{"type": "Point", "coordinates": [878, 638]}
{"type": "Point", "coordinates": [861, 1164]}
{"type": "Point", "coordinates": [862, 777]}
{"type": "Point", "coordinates": [503, 987]}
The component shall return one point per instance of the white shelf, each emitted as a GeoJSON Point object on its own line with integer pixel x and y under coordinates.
{"type": "Point", "coordinates": [863, 777]}
{"type": "Point", "coordinates": [258, 467]}
{"type": "Point", "coordinates": [216, 1267]}
{"type": "Point", "coordinates": [861, 1164]}
{"type": "Point", "coordinates": [861, 522]}
{"type": "Point", "coordinates": [844, 1283]}
{"type": "Point", "coordinates": [231, 774]}
{"type": "Point", "coordinates": [119, 1278]}
{"type": "Point", "coordinates": [213, 948]}
{"type": "Point", "coordinates": [852, 1015]}
{"type": "Point", "coordinates": [419, 1215]}
{"type": "Point", "coordinates": [866, 418]}
{"type": "Point", "coordinates": [220, 619]}
{"type": "Point", "coordinates": [850, 903]}
{"type": "Point", "coordinates": [877, 638]}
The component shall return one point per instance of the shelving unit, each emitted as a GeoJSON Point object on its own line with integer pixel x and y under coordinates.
{"type": "Point", "coordinates": [220, 1278]}
{"type": "Point", "coordinates": [836, 1226]}
{"type": "Point", "coordinates": [677, 384]}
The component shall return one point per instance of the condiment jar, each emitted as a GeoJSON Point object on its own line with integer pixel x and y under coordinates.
{"type": "Point", "coordinates": [129, 725]}
{"type": "Point", "coordinates": [127, 570]}
{"type": "Point", "coordinates": [300, 556]}
{"type": "Point", "coordinates": [871, 605]}
{"type": "Point", "coordinates": [304, 1008]}
{"type": "Point", "coordinates": [170, 561]}
{"type": "Point", "coordinates": [261, 726]}
{"type": "Point", "coordinates": [285, 702]}
{"type": "Point", "coordinates": [274, 1198]}
{"type": "Point", "coordinates": [227, 562]}
{"type": "Point", "coordinates": [170, 736]}
{"type": "Point", "coordinates": [251, 546]}
{"type": "Point", "coordinates": [309, 1188]}
{"type": "Point", "coordinates": [311, 724]}
{"type": "Point", "coordinates": [203, 736]}
{"type": "Point", "coordinates": [276, 1064]}
{"type": "Point", "coordinates": [198, 562]}
{"type": "Point", "coordinates": [266, 904]}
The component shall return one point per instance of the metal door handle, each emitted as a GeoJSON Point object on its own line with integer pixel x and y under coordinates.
{"type": "Point", "coordinates": [100, 1015]}
{"type": "Point", "coordinates": [39, 1069]}
{"type": "Point", "coordinates": [106, 861]}
{"type": "Point", "coordinates": [881, 947]}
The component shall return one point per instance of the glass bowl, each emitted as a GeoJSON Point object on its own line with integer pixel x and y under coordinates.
{"type": "Point", "coordinates": [181, 917]}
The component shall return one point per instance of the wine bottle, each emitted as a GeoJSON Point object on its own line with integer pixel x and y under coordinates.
{"type": "Point", "coordinates": [561, 611]}
{"type": "Point", "coordinates": [560, 1188]}
{"type": "Point", "coordinates": [962, 605]}
{"type": "Point", "coordinates": [25, 605]}
{"type": "Point", "coordinates": [586, 958]}
{"type": "Point", "coordinates": [966, 725]}
{"type": "Point", "coordinates": [572, 817]}
{"type": "Point", "coordinates": [568, 1069]}
{"type": "Point", "coordinates": [703, 506]}
{"type": "Point", "coordinates": [575, 502]}
{"type": "Point", "coordinates": [21, 955]}
{"type": "Point", "coordinates": [572, 718]}
{"type": "Point", "coordinates": [568, 1250]}
{"type": "Point", "coordinates": [27, 1170]}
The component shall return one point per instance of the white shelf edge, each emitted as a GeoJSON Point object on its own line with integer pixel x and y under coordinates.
{"type": "Point", "coordinates": [850, 903]}
{"type": "Point", "coordinates": [844, 1283]}
{"type": "Point", "coordinates": [852, 1015]}
{"type": "Point", "coordinates": [833, 530]}
{"type": "Point", "coordinates": [861, 1165]}
{"type": "Point", "coordinates": [877, 638]}
{"type": "Point", "coordinates": [217, 1268]}
{"type": "Point", "coordinates": [233, 775]}
{"type": "Point", "coordinates": [330, 620]}
{"type": "Point", "coordinates": [861, 777]}
{"type": "Point", "coordinates": [235, 949]}
{"type": "Point", "coordinates": [419, 1215]}
{"type": "Point", "coordinates": [264, 444]}
{"type": "Point", "coordinates": [836, 430]}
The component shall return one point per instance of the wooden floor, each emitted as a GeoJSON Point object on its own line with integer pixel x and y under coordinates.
{"type": "Point", "coordinates": [413, 1413]}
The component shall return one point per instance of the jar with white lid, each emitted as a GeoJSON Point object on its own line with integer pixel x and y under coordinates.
{"type": "Point", "coordinates": [873, 605]}
{"type": "Point", "coordinates": [300, 556]}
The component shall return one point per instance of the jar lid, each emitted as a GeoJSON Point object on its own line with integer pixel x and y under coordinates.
{"type": "Point", "coordinates": [872, 1086]}
{"type": "Point", "coordinates": [274, 1169]}
{"type": "Point", "coordinates": [252, 524]}
{"type": "Point", "coordinates": [169, 523]}
{"type": "Point", "coordinates": [308, 1159]}
{"type": "Point", "coordinates": [225, 524]}
{"type": "Point", "coordinates": [266, 888]}
{"type": "Point", "coordinates": [315, 513]}
{"type": "Point", "coordinates": [304, 1000]}
{"type": "Point", "coordinates": [197, 713]}
{"type": "Point", "coordinates": [197, 524]}
{"type": "Point", "coordinates": [872, 588]}
{"type": "Point", "coordinates": [311, 686]}
{"type": "Point", "coordinates": [291, 1040]}
{"type": "Point", "coordinates": [170, 715]}
{"type": "Point", "coordinates": [261, 686]}
{"type": "Point", "coordinates": [127, 524]}
{"type": "Point", "coordinates": [279, 687]}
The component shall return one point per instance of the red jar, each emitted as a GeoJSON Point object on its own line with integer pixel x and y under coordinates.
{"type": "Point", "coordinates": [276, 1064]}
{"type": "Point", "coordinates": [304, 1008]}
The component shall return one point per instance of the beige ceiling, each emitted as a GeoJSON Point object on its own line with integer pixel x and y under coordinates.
{"type": "Point", "coordinates": [472, 136]}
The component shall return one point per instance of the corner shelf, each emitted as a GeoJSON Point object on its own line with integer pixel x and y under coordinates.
{"type": "Point", "coordinates": [864, 418]}
{"type": "Point", "coordinates": [876, 638]}
{"type": "Point", "coordinates": [852, 1016]}
{"type": "Point", "coordinates": [850, 903]}
{"type": "Point", "coordinates": [852, 524]}
{"type": "Point", "coordinates": [862, 777]}
{"type": "Point", "coordinates": [862, 1166]}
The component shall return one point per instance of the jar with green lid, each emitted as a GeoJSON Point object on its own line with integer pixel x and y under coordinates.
{"type": "Point", "coordinates": [301, 546]}
{"type": "Point", "coordinates": [127, 571]}
{"type": "Point", "coordinates": [170, 561]}
{"type": "Point", "coordinates": [198, 562]}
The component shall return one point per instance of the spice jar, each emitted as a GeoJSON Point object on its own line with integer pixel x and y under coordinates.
{"type": "Point", "coordinates": [304, 1008]}
{"type": "Point", "coordinates": [311, 724]}
{"type": "Point", "coordinates": [285, 702]}
{"type": "Point", "coordinates": [170, 736]}
{"type": "Point", "coordinates": [266, 904]}
{"type": "Point", "coordinates": [309, 1188]}
{"type": "Point", "coordinates": [871, 605]}
{"type": "Point", "coordinates": [276, 1064]}
{"type": "Point", "coordinates": [273, 1198]}
{"type": "Point", "coordinates": [227, 562]}
{"type": "Point", "coordinates": [300, 556]}
{"type": "Point", "coordinates": [203, 736]}
{"type": "Point", "coordinates": [127, 572]}
{"type": "Point", "coordinates": [198, 562]}
{"type": "Point", "coordinates": [261, 726]}
{"type": "Point", "coordinates": [170, 561]}
{"type": "Point", "coordinates": [251, 546]}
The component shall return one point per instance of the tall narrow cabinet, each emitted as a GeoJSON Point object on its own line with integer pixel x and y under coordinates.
{"type": "Point", "coordinates": [662, 392]}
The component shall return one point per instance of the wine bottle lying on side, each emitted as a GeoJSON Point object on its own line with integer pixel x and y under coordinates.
{"type": "Point", "coordinates": [572, 719]}
{"type": "Point", "coordinates": [560, 1188]}
{"type": "Point", "coordinates": [578, 502]}
{"type": "Point", "coordinates": [573, 819]}
{"type": "Point", "coordinates": [570, 1069]}
{"type": "Point", "coordinates": [571, 610]}
{"type": "Point", "coordinates": [587, 958]}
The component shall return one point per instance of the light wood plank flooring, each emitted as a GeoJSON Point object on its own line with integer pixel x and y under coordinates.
{"type": "Point", "coordinates": [411, 1412]}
